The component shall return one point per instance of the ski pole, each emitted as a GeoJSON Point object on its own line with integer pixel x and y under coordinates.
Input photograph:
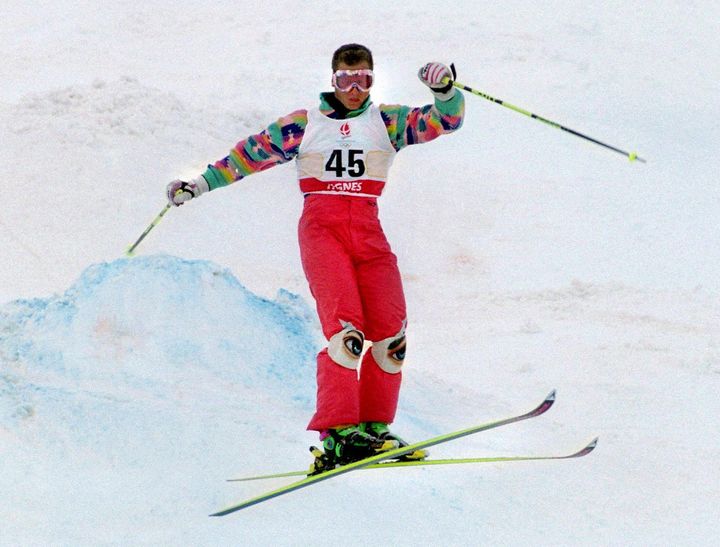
{"type": "Point", "coordinates": [632, 156]}
{"type": "Point", "coordinates": [131, 250]}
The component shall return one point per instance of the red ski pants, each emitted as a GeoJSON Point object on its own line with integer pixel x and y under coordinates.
{"type": "Point", "coordinates": [354, 278]}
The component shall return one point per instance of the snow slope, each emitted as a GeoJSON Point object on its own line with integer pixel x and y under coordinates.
{"type": "Point", "coordinates": [131, 389]}
{"type": "Point", "coordinates": [102, 403]}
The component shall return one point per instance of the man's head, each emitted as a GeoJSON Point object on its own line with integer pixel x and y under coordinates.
{"type": "Point", "coordinates": [351, 54]}
{"type": "Point", "coordinates": [352, 66]}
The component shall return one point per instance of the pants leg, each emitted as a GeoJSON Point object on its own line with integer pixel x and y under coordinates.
{"type": "Point", "coordinates": [385, 313]}
{"type": "Point", "coordinates": [331, 275]}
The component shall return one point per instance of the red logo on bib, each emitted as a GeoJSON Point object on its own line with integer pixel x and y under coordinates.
{"type": "Point", "coordinates": [345, 129]}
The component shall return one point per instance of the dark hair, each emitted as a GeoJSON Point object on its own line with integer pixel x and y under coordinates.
{"type": "Point", "coordinates": [351, 54]}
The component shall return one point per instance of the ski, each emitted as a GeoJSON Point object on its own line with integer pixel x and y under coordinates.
{"type": "Point", "coordinates": [388, 455]}
{"type": "Point", "coordinates": [448, 461]}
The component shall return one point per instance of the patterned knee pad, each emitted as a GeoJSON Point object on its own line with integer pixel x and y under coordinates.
{"type": "Point", "coordinates": [389, 354]}
{"type": "Point", "coordinates": [345, 347]}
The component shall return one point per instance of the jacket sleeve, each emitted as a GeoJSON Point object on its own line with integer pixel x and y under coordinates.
{"type": "Point", "coordinates": [407, 125]}
{"type": "Point", "coordinates": [278, 143]}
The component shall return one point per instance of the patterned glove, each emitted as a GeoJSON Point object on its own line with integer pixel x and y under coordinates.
{"type": "Point", "coordinates": [432, 75]}
{"type": "Point", "coordinates": [179, 191]}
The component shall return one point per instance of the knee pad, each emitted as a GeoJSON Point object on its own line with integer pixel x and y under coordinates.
{"type": "Point", "coordinates": [389, 354]}
{"type": "Point", "coordinates": [345, 347]}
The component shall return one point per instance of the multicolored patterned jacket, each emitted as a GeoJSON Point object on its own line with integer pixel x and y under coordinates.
{"type": "Point", "coordinates": [280, 141]}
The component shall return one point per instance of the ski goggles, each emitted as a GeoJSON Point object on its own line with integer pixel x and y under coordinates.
{"type": "Point", "coordinates": [344, 80]}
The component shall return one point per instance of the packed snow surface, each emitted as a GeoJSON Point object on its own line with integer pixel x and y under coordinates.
{"type": "Point", "coordinates": [131, 389]}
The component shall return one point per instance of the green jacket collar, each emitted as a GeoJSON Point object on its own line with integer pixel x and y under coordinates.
{"type": "Point", "coordinates": [333, 108]}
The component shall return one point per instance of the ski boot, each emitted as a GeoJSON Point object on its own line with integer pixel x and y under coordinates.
{"type": "Point", "coordinates": [345, 445]}
{"type": "Point", "coordinates": [382, 431]}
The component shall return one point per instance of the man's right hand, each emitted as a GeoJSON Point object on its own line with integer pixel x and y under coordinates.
{"type": "Point", "coordinates": [179, 191]}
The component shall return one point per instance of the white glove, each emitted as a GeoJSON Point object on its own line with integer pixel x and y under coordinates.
{"type": "Point", "coordinates": [432, 75]}
{"type": "Point", "coordinates": [179, 191]}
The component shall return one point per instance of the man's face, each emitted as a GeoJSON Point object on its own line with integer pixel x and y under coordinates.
{"type": "Point", "coordinates": [354, 98]}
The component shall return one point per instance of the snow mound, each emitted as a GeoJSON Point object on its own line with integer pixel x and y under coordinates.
{"type": "Point", "coordinates": [139, 365]}
{"type": "Point", "coordinates": [148, 325]}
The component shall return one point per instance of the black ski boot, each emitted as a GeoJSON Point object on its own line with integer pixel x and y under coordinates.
{"type": "Point", "coordinates": [346, 445]}
{"type": "Point", "coordinates": [382, 431]}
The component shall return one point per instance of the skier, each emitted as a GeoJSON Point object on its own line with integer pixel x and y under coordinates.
{"type": "Point", "coordinates": [343, 152]}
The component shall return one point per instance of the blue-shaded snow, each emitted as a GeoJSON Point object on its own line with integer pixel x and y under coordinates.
{"type": "Point", "coordinates": [147, 327]}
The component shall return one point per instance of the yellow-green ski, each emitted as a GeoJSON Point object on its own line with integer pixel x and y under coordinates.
{"type": "Point", "coordinates": [389, 455]}
{"type": "Point", "coordinates": [448, 461]}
